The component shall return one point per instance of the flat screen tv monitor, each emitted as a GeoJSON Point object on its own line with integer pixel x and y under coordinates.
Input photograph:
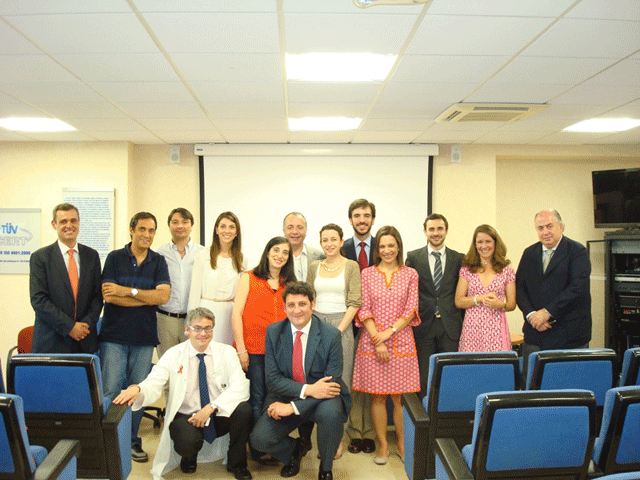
{"type": "Point", "coordinates": [616, 198]}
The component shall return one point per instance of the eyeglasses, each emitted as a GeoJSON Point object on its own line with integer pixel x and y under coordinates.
{"type": "Point", "coordinates": [199, 329]}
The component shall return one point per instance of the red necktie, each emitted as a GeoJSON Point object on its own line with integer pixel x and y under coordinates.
{"type": "Point", "coordinates": [363, 262]}
{"type": "Point", "coordinates": [297, 369]}
{"type": "Point", "coordinates": [73, 276]}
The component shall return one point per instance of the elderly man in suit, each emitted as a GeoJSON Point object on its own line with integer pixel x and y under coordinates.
{"type": "Point", "coordinates": [65, 289]}
{"type": "Point", "coordinates": [552, 289]}
{"type": "Point", "coordinates": [294, 227]}
{"type": "Point", "coordinates": [303, 367]}
{"type": "Point", "coordinates": [438, 268]}
{"type": "Point", "coordinates": [194, 421]}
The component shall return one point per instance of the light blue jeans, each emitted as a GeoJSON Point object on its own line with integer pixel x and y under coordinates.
{"type": "Point", "coordinates": [124, 365]}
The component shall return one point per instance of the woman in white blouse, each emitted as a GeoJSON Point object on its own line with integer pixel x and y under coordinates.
{"type": "Point", "coordinates": [216, 273]}
{"type": "Point", "coordinates": [336, 281]}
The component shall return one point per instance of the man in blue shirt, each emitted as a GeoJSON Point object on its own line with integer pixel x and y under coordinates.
{"type": "Point", "coordinates": [135, 280]}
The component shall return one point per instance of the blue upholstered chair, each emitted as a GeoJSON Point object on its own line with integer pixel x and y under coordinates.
{"type": "Point", "coordinates": [630, 374]}
{"type": "Point", "coordinates": [19, 460]}
{"type": "Point", "coordinates": [455, 380]}
{"type": "Point", "coordinates": [617, 449]}
{"type": "Point", "coordinates": [622, 476]}
{"type": "Point", "coordinates": [526, 434]}
{"type": "Point", "coordinates": [63, 398]}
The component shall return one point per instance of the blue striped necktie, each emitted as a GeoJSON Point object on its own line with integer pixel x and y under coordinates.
{"type": "Point", "coordinates": [209, 430]}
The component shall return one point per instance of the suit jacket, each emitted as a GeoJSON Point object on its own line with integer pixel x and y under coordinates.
{"type": "Point", "coordinates": [52, 300]}
{"type": "Point", "coordinates": [445, 300]}
{"type": "Point", "coordinates": [564, 290]}
{"type": "Point", "coordinates": [350, 250]}
{"type": "Point", "coordinates": [174, 367]}
{"type": "Point", "coordinates": [313, 254]}
{"type": "Point", "coordinates": [323, 357]}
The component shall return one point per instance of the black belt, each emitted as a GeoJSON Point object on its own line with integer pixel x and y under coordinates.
{"type": "Point", "coordinates": [174, 315]}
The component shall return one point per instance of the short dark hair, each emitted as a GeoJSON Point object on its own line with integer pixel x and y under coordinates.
{"type": "Point", "coordinates": [436, 216]}
{"type": "Point", "coordinates": [183, 212]}
{"type": "Point", "coordinates": [64, 207]}
{"type": "Point", "coordinates": [393, 231]}
{"type": "Point", "coordinates": [141, 216]}
{"type": "Point", "coordinates": [299, 288]}
{"type": "Point", "coordinates": [332, 226]}
{"type": "Point", "coordinates": [362, 203]}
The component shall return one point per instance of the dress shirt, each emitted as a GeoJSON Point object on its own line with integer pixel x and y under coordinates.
{"type": "Point", "coordinates": [544, 253]}
{"type": "Point", "coordinates": [367, 246]}
{"type": "Point", "coordinates": [303, 340]}
{"type": "Point", "coordinates": [301, 265]}
{"type": "Point", "coordinates": [432, 258]}
{"type": "Point", "coordinates": [65, 255]}
{"type": "Point", "coordinates": [180, 269]}
{"type": "Point", "coordinates": [191, 403]}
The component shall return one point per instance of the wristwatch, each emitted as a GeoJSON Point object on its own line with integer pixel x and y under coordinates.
{"type": "Point", "coordinates": [134, 292]}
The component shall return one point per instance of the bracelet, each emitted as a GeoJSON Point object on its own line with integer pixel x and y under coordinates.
{"type": "Point", "coordinates": [240, 353]}
{"type": "Point", "coordinates": [475, 299]}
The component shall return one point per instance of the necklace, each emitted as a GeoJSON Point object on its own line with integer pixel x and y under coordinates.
{"type": "Point", "coordinates": [324, 265]}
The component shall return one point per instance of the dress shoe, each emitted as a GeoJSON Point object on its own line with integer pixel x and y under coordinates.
{"type": "Point", "coordinates": [293, 468]}
{"type": "Point", "coordinates": [268, 461]}
{"type": "Point", "coordinates": [188, 465]}
{"type": "Point", "coordinates": [325, 475]}
{"type": "Point", "coordinates": [355, 446]}
{"type": "Point", "coordinates": [368, 445]}
{"type": "Point", "coordinates": [240, 472]}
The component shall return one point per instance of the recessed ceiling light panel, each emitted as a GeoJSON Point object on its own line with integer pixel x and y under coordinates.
{"type": "Point", "coordinates": [25, 124]}
{"type": "Point", "coordinates": [323, 124]}
{"type": "Point", "coordinates": [604, 125]}
{"type": "Point", "coordinates": [339, 67]}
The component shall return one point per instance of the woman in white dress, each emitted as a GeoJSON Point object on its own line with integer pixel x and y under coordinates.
{"type": "Point", "coordinates": [216, 273]}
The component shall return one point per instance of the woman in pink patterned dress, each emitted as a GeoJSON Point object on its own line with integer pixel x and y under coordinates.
{"type": "Point", "coordinates": [486, 289]}
{"type": "Point", "coordinates": [386, 361]}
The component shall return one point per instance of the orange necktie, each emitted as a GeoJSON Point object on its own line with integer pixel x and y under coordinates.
{"type": "Point", "coordinates": [73, 276]}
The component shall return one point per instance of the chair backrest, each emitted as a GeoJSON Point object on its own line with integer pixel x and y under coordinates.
{"type": "Point", "coordinates": [622, 476]}
{"type": "Point", "coordinates": [584, 368]}
{"type": "Point", "coordinates": [15, 457]}
{"type": "Point", "coordinates": [630, 374]}
{"type": "Point", "coordinates": [25, 339]}
{"type": "Point", "coordinates": [617, 449]}
{"type": "Point", "coordinates": [532, 434]}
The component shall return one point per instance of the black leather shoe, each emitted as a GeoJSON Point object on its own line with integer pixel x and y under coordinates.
{"type": "Point", "coordinates": [325, 475]}
{"type": "Point", "coordinates": [355, 446]}
{"type": "Point", "coordinates": [240, 472]}
{"type": "Point", "coordinates": [188, 465]}
{"type": "Point", "coordinates": [368, 445]}
{"type": "Point", "coordinates": [293, 468]}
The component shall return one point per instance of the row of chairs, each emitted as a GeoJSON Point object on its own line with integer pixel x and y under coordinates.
{"type": "Point", "coordinates": [456, 379]}
{"type": "Point", "coordinates": [62, 398]}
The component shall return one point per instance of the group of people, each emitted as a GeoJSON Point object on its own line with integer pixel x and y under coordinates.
{"type": "Point", "coordinates": [306, 337]}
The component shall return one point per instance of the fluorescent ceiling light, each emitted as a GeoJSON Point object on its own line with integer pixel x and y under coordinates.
{"type": "Point", "coordinates": [604, 125]}
{"type": "Point", "coordinates": [323, 124]}
{"type": "Point", "coordinates": [25, 124]}
{"type": "Point", "coordinates": [339, 67]}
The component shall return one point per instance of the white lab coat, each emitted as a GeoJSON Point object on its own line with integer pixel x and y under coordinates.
{"type": "Point", "coordinates": [174, 367]}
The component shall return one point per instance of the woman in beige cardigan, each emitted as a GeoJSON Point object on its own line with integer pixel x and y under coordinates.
{"type": "Point", "coordinates": [336, 281]}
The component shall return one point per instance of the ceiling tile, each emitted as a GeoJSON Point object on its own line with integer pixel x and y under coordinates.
{"type": "Point", "coordinates": [229, 67]}
{"type": "Point", "coordinates": [333, 92]}
{"type": "Point", "coordinates": [464, 35]}
{"type": "Point", "coordinates": [31, 7]}
{"type": "Point", "coordinates": [542, 70]}
{"type": "Point", "coordinates": [631, 110]}
{"type": "Point", "coordinates": [140, 137]}
{"type": "Point", "coordinates": [153, 109]}
{"type": "Point", "coordinates": [627, 72]}
{"type": "Point", "coordinates": [170, 125]}
{"type": "Point", "coordinates": [447, 68]}
{"type": "Point", "coordinates": [189, 136]}
{"type": "Point", "coordinates": [25, 68]}
{"type": "Point", "coordinates": [239, 125]}
{"type": "Point", "coordinates": [94, 110]}
{"type": "Point", "coordinates": [320, 137]}
{"type": "Point", "coordinates": [205, 6]}
{"type": "Point", "coordinates": [572, 37]}
{"type": "Point", "coordinates": [349, 110]}
{"type": "Point", "coordinates": [521, 8]}
{"type": "Point", "coordinates": [400, 93]}
{"type": "Point", "coordinates": [216, 32]}
{"type": "Point", "coordinates": [52, 92]}
{"type": "Point", "coordinates": [353, 33]}
{"type": "Point", "coordinates": [106, 124]}
{"type": "Point", "coordinates": [245, 111]}
{"type": "Point", "coordinates": [143, 91]}
{"type": "Point", "coordinates": [20, 110]}
{"type": "Point", "coordinates": [569, 138]}
{"type": "Point", "coordinates": [256, 136]}
{"type": "Point", "coordinates": [611, 10]}
{"type": "Point", "coordinates": [11, 42]}
{"type": "Point", "coordinates": [390, 124]}
{"type": "Point", "coordinates": [598, 95]}
{"type": "Point", "coordinates": [385, 137]}
{"type": "Point", "coordinates": [516, 93]}
{"type": "Point", "coordinates": [347, 6]}
{"type": "Point", "coordinates": [517, 138]}
{"type": "Point", "coordinates": [86, 33]}
{"type": "Point", "coordinates": [240, 92]}
{"type": "Point", "coordinates": [141, 67]}
{"type": "Point", "coordinates": [61, 136]}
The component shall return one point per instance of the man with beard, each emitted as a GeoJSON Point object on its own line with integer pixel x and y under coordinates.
{"type": "Point", "coordinates": [438, 268]}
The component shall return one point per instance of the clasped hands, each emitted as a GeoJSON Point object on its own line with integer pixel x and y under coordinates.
{"type": "Point", "coordinates": [322, 389]}
{"type": "Point", "coordinates": [540, 320]}
{"type": "Point", "coordinates": [382, 352]}
{"type": "Point", "coordinates": [79, 331]}
{"type": "Point", "coordinates": [490, 300]}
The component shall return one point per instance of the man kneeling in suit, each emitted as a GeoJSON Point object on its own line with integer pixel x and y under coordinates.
{"type": "Point", "coordinates": [195, 414]}
{"type": "Point", "coordinates": [303, 369]}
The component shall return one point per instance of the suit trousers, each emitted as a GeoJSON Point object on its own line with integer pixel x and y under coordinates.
{"type": "Point", "coordinates": [435, 340]}
{"type": "Point", "coordinates": [272, 436]}
{"type": "Point", "coordinates": [188, 440]}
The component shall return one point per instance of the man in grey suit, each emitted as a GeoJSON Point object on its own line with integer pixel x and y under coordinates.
{"type": "Point", "coordinates": [64, 284]}
{"type": "Point", "coordinates": [438, 268]}
{"type": "Point", "coordinates": [294, 227]}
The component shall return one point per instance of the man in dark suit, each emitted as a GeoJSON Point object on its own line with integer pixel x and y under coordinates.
{"type": "Point", "coordinates": [552, 289]}
{"type": "Point", "coordinates": [66, 312]}
{"type": "Point", "coordinates": [441, 320]}
{"type": "Point", "coordinates": [360, 248]}
{"type": "Point", "coordinates": [304, 384]}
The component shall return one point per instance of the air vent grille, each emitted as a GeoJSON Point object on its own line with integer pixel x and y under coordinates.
{"type": "Point", "coordinates": [474, 112]}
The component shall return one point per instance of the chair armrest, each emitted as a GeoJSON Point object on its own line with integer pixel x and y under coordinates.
{"type": "Point", "coordinates": [415, 409]}
{"type": "Point", "coordinates": [113, 416]}
{"type": "Point", "coordinates": [452, 460]}
{"type": "Point", "coordinates": [57, 460]}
